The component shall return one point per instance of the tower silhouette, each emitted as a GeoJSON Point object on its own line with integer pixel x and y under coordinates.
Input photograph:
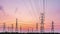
{"type": "Point", "coordinates": [36, 27]}
{"type": "Point", "coordinates": [42, 23]}
{"type": "Point", "coordinates": [52, 29]}
{"type": "Point", "coordinates": [42, 17]}
{"type": "Point", "coordinates": [16, 25]}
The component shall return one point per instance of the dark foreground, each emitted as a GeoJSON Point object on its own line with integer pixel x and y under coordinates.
{"type": "Point", "coordinates": [26, 33]}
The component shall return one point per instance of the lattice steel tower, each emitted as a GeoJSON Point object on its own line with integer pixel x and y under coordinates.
{"type": "Point", "coordinates": [42, 17]}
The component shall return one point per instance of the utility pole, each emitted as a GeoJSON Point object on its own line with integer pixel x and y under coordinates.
{"type": "Point", "coordinates": [52, 29]}
{"type": "Point", "coordinates": [16, 25]}
{"type": "Point", "coordinates": [42, 17]}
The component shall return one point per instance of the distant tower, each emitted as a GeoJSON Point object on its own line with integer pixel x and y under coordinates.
{"type": "Point", "coordinates": [42, 17]}
{"type": "Point", "coordinates": [52, 29]}
{"type": "Point", "coordinates": [37, 27]}
{"type": "Point", "coordinates": [12, 27]}
{"type": "Point", "coordinates": [16, 25]}
{"type": "Point", "coordinates": [4, 26]}
{"type": "Point", "coordinates": [16, 21]}
{"type": "Point", "coordinates": [42, 23]}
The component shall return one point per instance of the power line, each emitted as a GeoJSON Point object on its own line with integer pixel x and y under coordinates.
{"type": "Point", "coordinates": [32, 8]}
{"type": "Point", "coordinates": [27, 8]}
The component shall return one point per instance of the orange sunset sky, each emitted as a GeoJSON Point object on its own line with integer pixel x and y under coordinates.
{"type": "Point", "coordinates": [28, 13]}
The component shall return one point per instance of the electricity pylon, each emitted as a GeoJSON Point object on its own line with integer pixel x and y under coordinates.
{"type": "Point", "coordinates": [42, 23]}
{"type": "Point", "coordinates": [52, 29]}
{"type": "Point", "coordinates": [42, 17]}
{"type": "Point", "coordinates": [37, 27]}
{"type": "Point", "coordinates": [16, 25]}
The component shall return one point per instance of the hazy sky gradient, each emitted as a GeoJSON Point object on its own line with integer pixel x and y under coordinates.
{"type": "Point", "coordinates": [29, 11]}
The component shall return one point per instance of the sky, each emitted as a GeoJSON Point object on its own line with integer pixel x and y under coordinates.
{"type": "Point", "coordinates": [28, 12]}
